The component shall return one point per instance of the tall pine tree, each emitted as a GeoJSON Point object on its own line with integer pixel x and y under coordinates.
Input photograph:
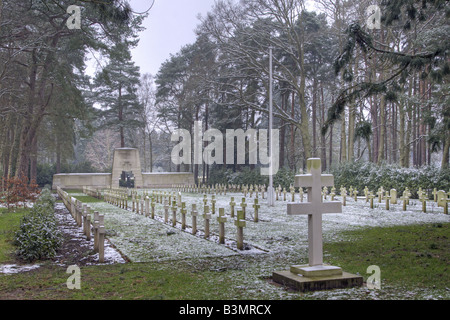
{"type": "Point", "coordinates": [116, 87]}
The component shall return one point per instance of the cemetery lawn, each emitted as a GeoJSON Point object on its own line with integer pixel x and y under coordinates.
{"type": "Point", "coordinates": [413, 259]}
{"type": "Point", "coordinates": [415, 256]}
{"type": "Point", "coordinates": [9, 224]}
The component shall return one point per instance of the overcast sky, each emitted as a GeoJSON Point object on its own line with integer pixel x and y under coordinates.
{"type": "Point", "coordinates": [169, 26]}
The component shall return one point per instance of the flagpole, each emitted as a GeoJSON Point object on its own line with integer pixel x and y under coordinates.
{"type": "Point", "coordinates": [271, 194]}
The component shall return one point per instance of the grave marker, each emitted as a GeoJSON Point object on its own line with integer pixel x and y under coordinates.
{"type": "Point", "coordinates": [371, 196]}
{"type": "Point", "coordinates": [194, 214]}
{"type": "Point", "coordinates": [315, 275]}
{"type": "Point", "coordinates": [174, 213]}
{"type": "Point", "coordinates": [243, 206]}
{"type": "Point", "coordinates": [256, 206]}
{"type": "Point", "coordinates": [183, 215]}
{"type": "Point", "coordinates": [393, 194]}
{"type": "Point", "coordinates": [221, 219]}
{"type": "Point", "coordinates": [147, 206]}
{"type": "Point", "coordinates": [240, 224]}
{"type": "Point", "coordinates": [388, 198]}
{"type": "Point", "coordinates": [166, 210]}
{"type": "Point", "coordinates": [314, 208]}
{"type": "Point", "coordinates": [207, 217]}
{"type": "Point", "coordinates": [232, 204]}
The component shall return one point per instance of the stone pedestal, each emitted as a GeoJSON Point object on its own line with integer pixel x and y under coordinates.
{"type": "Point", "coordinates": [311, 278]}
{"type": "Point", "coordinates": [126, 159]}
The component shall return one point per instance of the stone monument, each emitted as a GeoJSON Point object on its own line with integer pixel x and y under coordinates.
{"type": "Point", "coordinates": [125, 160]}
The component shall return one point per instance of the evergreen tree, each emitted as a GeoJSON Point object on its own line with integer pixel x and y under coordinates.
{"type": "Point", "coordinates": [116, 87]}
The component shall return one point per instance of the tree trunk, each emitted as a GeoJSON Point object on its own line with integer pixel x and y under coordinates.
{"type": "Point", "coordinates": [122, 137]}
{"type": "Point", "coordinates": [445, 152]}
{"type": "Point", "coordinates": [402, 134]}
{"type": "Point", "coordinates": [381, 142]}
{"type": "Point", "coordinates": [33, 159]}
{"type": "Point", "coordinates": [150, 147]}
{"type": "Point", "coordinates": [314, 117]}
{"type": "Point", "coordinates": [292, 149]}
{"type": "Point", "coordinates": [323, 143]}
{"type": "Point", "coordinates": [343, 151]}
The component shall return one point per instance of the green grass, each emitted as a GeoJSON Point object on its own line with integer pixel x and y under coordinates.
{"type": "Point", "coordinates": [411, 256]}
{"type": "Point", "coordinates": [135, 281]}
{"type": "Point", "coordinates": [88, 199]}
{"type": "Point", "coordinates": [415, 257]}
{"type": "Point", "coordinates": [9, 224]}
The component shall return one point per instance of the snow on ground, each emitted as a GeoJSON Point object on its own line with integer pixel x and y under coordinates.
{"type": "Point", "coordinates": [69, 227]}
{"type": "Point", "coordinates": [143, 239]}
{"type": "Point", "coordinates": [14, 268]}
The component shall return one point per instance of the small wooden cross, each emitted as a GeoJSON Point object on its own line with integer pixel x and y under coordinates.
{"type": "Point", "coordinates": [166, 210]}
{"type": "Point", "coordinates": [194, 214]}
{"type": "Point", "coordinates": [380, 194]}
{"type": "Point", "coordinates": [424, 199]}
{"type": "Point", "coordinates": [232, 204]}
{"type": "Point", "coordinates": [213, 204]}
{"type": "Point", "coordinates": [344, 196]}
{"type": "Point", "coordinates": [388, 198]}
{"type": "Point", "coordinates": [366, 193]}
{"type": "Point", "coordinates": [174, 213]}
{"type": "Point", "coordinates": [256, 206]}
{"type": "Point", "coordinates": [147, 206]}
{"type": "Point", "coordinates": [153, 208]}
{"type": "Point", "coordinates": [355, 194]}
{"type": "Point", "coordinates": [183, 215]}
{"type": "Point", "coordinates": [221, 219]}
{"type": "Point", "coordinates": [371, 196]}
{"type": "Point", "coordinates": [405, 199]}
{"type": "Point", "coordinates": [240, 224]}
{"type": "Point", "coordinates": [243, 206]}
{"type": "Point", "coordinates": [207, 217]}
{"type": "Point", "coordinates": [434, 193]}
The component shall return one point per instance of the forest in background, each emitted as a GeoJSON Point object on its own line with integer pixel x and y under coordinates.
{"type": "Point", "coordinates": [343, 90]}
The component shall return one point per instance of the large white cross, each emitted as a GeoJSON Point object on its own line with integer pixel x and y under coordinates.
{"type": "Point", "coordinates": [314, 180]}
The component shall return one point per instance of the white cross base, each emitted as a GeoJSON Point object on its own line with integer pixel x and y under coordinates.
{"type": "Point", "coordinates": [314, 180]}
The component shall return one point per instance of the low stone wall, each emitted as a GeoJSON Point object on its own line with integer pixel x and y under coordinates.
{"type": "Point", "coordinates": [167, 179]}
{"type": "Point", "coordinates": [79, 180]}
{"type": "Point", "coordinates": [103, 180]}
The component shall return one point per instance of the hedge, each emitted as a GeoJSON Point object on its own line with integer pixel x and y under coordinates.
{"type": "Point", "coordinates": [38, 236]}
{"type": "Point", "coordinates": [362, 174]}
{"type": "Point", "coordinates": [355, 174]}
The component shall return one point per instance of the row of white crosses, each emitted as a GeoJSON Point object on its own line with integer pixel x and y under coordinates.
{"type": "Point", "coordinates": [391, 197]}
{"type": "Point", "coordinates": [252, 190]}
{"type": "Point", "coordinates": [92, 192]}
{"type": "Point", "coordinates": [81, 212]}
{"type": "Point", "coordinates": [141, 204]}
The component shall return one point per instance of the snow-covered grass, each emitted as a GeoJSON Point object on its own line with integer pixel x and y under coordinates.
{"type": "Point", "coordinates": [143, 239]}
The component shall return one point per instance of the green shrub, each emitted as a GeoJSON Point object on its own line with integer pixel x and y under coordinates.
{"type": "Point", "coordinates": [362, 174]}
{"type": "Point", "coordinates": [247, 176]}
{"type": "Point", "coordinates": [38, 236]}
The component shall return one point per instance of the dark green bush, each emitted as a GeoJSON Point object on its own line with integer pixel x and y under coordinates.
{"type": "Point", "coordinates": [284, 177]}
{"type": "Point", "coordinates": [362, 174]}
{"type": "Point", "coordinates": [38, 236]}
